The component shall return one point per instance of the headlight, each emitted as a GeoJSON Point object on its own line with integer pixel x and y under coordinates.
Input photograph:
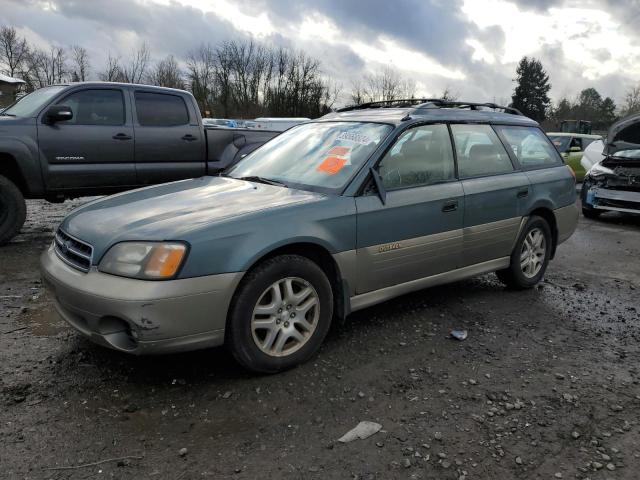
{"type": "Point", "coordinates": [599, 169]}
{"type": "Point", "coordinates": [144, 260]}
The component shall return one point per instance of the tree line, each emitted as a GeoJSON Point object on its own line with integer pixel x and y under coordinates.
{"type": "Point", "coordinates": [246, 79]}
{"type": "Point", "coordinates": [531, 96]}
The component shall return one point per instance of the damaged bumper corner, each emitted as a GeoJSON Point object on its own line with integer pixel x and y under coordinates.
{"type": "Point", "coordinates": [613, 200]}
{"type": "Point", "coordinates": [138, 316]}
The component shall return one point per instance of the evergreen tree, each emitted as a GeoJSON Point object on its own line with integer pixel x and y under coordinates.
{"type": "Point", "coordinates": [531, 95]}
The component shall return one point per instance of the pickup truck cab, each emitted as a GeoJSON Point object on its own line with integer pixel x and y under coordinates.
{"type": "Point", "coordinates": [96, 138]}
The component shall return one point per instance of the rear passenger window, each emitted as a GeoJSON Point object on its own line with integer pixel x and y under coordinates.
{"type": "Point", "coordinates": [532, 147]}
{"type": "Point", "coordinates": [479, 151]}
{"type": "Point", "coordinates": [160, 110]}
{"type": "Point", "coordinates": [421, 156]}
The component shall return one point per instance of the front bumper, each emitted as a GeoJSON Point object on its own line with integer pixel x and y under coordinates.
{"type": "Point", "coordinates": [138, 316]}
{"type": "Point", "coordinates": [613, 200]}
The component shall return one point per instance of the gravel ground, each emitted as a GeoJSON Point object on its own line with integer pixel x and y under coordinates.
{"type": "Point", "coordinates": [545, 386]}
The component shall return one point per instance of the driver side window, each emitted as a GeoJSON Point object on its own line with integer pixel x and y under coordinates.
{"type": "Point", "coordinates": [421, 156]}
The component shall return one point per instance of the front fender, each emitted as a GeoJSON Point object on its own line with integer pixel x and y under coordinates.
{"type": "Point", "coordinates": [25, 154]}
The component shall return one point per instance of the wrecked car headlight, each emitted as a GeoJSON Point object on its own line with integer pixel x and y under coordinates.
{"type": "Point", "coordinates": [144, 260]}
{"type": "Point", "coordinates": [599, 169]}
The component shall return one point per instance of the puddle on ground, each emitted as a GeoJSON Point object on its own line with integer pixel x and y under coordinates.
{"type": "Point", "coordinates": [43, 322]}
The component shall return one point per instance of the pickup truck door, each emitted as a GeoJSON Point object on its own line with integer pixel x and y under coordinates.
{"type": "Point", "coordinates": [169, 137]}
{"type": "Point", "coordinates": [92, 150]}
{"type": "Point", "coordinates": [417, 233]}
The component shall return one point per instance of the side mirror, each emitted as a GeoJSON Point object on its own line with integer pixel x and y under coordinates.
{"type": "Point", "coordinates": [58, 113]}
{"type": "Point", "coordinates": [575, 149]}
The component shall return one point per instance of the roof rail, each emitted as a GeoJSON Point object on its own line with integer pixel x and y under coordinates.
{"type": "Point", "coordinates": [441, 103]}
{"type": "Point", "coordinates": [424, 103]}
{"type": "Point", "coordinates": [399, 103]}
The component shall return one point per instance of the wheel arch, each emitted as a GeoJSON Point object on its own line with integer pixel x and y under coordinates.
{"type": "Point", "coordinates": [9, 168]}
{"type": "Point", "coordinates": [321, 256]}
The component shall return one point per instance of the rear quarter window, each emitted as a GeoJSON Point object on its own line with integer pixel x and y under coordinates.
{"type": "Point", "coordinates": [531, 147]}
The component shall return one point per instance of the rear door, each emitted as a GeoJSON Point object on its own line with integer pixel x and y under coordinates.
{"type": "Point", "coordinates": [418, 232]}
{"type": "Point", "coordinates": [92, 150]}
{"type": "Point", "coordinates": [494, 193]}
{"type": "Point", "coordinates": [169, 143]}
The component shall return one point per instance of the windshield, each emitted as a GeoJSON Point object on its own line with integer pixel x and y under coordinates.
{"type": "Point", "coordinates": [561, 143]}
{"type": "Point", "coordinates": [30, 105]}
{"type": "Point", "coordinates": [322, 156]}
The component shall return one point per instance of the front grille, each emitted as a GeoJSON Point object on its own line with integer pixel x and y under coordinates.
{"type": "Point", "coordinates": [73, 251]}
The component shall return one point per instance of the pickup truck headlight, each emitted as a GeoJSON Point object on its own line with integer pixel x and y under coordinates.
{"type": "Point", "coordinates": [144, 260]}
{"type": "Point", "coordinates": [599, 169]}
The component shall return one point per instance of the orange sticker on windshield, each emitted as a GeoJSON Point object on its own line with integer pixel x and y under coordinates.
{"type": "Point", "coordinates": [339, 151]}
{"type": "Point", "coordinates": [331, 165]}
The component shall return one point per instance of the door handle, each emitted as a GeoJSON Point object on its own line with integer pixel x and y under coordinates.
{"type": "Point", "coordinates": [189, 138]}
{"type": "Point", "coordinates": [451, 206]}
{"type": "Point", "coordinates": [523, 193]}
{"type": "Point", "coordinates": [122, 136]}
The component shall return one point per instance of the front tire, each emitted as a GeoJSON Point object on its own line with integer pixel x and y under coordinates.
{"type": "Point", "coordinates": [530, 256]}
{"type": "Point", "coordinates": [13, 210]}
{"type": "Point", "coordinates": [280, 314]}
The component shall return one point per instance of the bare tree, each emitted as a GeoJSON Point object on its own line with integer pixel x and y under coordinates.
{"type": "Point", "coordinates": [631, 101]}
{"type": "Point", "coordinates": [384, 85]}
{"type": "Point", "coordinates": [13, 51]}
{"type": "Point", "coordinates": [201, 73]}
{"type": "Point", "coordinates": [45, 68]}
{"type": "Point", "coordinates": [113, 71]}
{"type": "Point", "coordinates": [135, 70]}
{"type": "Point", "coordinates": [449, 95]}
{"type": "Point", "coordinates": [357, 92]}
{"type": "Point", "coordinates": [166, 73]}
{"type": "Point", "coordinates": [80, 59]}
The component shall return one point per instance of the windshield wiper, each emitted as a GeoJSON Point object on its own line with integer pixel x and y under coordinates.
{"type": "Point", "coordinates": [7, 114]}
{"type": "Point", "coordinates": [268, 181]}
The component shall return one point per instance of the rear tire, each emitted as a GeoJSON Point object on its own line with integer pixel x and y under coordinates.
{"type": "Point", "coordinates": [13, 210]}
{"type": "Point", "coordinates": [530, 256]}
{"type": "Point", "coordinates": [280, 314]}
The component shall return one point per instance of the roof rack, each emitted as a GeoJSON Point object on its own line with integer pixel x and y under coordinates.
{"type": "Point", "coordinates": [426, 103]}
{"type": "Point", "coordinates": [399, 103]}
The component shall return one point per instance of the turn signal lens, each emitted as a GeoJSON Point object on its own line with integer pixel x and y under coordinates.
{"type": "Point", "coordinates": [165, 261]}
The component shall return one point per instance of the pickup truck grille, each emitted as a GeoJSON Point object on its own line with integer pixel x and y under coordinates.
{"type": "Point", "coordinates": [72, 251]}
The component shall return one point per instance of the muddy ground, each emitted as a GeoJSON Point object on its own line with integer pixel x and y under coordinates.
{"type": "Point", "coordinates": [545, 386]}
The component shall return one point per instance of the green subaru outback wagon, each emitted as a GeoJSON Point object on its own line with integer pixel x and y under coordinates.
{"type": "Point", "coordinates": [332, 216]}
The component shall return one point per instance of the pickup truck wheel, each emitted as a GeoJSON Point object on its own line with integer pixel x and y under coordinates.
{"type": "Point", "coordinates": [13, 210]}
{"type": "Point", "coordinates": [280, 314]}
{"type": "Point", "coordinates": [530, 256]}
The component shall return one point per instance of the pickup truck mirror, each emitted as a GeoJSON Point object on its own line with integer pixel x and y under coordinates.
{"type": "Point", "coordinates": [58, 113]}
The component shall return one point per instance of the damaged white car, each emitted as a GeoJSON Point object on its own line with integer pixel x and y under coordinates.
{"type": "Point", "coordinates": [612, 182]}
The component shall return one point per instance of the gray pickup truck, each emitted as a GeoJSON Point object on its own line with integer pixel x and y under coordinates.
{"type": "Point", "coordinates": [97, 138]}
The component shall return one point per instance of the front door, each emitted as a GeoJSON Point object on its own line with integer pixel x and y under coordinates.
{"type": "Point", "coordinates": [418, 232]}
{"type": "Point", "coordinates": [169, 140]}
{"type": "Point", "coordinates": [92, 150]}
{"type": "Point", "coordinates": [494, 193]}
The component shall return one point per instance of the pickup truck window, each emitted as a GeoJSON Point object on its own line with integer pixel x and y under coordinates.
{"type": "Point", "coordinates": [160, 110]}
{"type": "Point", "coordinates": [320, 156]}
{"type": "Point", "coordinates": [30, 105]}
{"type": "Point", "coordinates": [95, 107]}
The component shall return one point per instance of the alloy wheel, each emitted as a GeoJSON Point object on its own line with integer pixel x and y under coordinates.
{"type": "Point", "coordinates": [532, 255]}
{"type": "Point", "coordinates": [285, 316]}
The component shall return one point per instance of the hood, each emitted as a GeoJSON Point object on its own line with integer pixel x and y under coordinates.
{"type": "Point", "coordinates": [624, 135]}
{"type": "Point", "coordinates": [175, 210]}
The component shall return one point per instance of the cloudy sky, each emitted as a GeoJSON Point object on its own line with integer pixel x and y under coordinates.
{"type": "Point", "coordinates": [468, 46]}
